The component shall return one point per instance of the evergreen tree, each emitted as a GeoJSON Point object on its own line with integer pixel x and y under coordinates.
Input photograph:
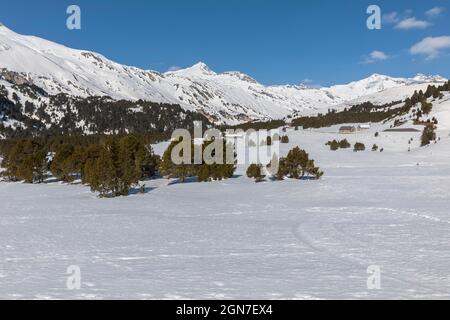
{"type": "Point", "coordinates": [254, 171]}
{"type": "Point", "coordinates": [344, 144]}
{"type": "Point", "coordinates": [62, 163]}
{"type": "Point", "coordinates": [299, 164]}
{"type": "Point", "coordinates": [172, 170]}
{"type": "Point", "coordinates": [282, 169]}
{"type": "Point", "coordinates": [428, 134]}
{"type": "Point", "coordinates": [426, 106]}
{"type": "Point", "coordinates": [89, 156]}
{"type": "Point", "coordinates": [117, 164]}
{"type": "Point", "coordinates": [99, 173]}
{"type": "Point", "coordinates": [203, 171]}
{"type": "Point", "coordinates": [359, 147]}
{"type": "Point", "coordinates": [334, 145]}
{"type": "Point", "coordinates": [26, 160]}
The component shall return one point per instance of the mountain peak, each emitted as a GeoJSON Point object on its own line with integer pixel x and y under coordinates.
{"type": "Point", "coordinates": [202, 67]}
{"type": "Point", "coordinates": [198, 69]}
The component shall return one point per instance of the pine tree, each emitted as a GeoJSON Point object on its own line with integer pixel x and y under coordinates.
{"type": "Point", "coordinates": [426, 106]}
{"type": "Point", "coordinates": [218, 170]}
{"type": "Point", "coordinates": [26, 160]}
{"type": "Point", "coordinates": [334, 145]}
{"type": "Point", "coordinates": [299, 164]}
{"type": "Point", "coordinates": [282, 169]}
{"type": "Point", "coordinates": [169, 169]}
{"type": "Point", "coordinates": [359, 147]}
{"type": "Point", "coordinates": [203, 171]}
{"type": "Point", "coordinates": [89, 156]}
{"type": "Point", "coordinates": [428, 134]}
{"type": "Point", "coordinates": [113, 167]}
{"type": "Point", "coordinates": [255, 171]}
{"type": "Point", "coordinates": [62, 163]}
{"type": "Point", "coordinates": [99, 173]}
{"type": "Point", "coordinates": [344, 144]}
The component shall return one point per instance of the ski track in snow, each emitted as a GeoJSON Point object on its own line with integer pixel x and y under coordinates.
{"type": "Point", "coordinates": [363, 253]}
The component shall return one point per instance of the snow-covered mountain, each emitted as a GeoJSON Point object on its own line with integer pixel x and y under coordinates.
{"type": "Point", "coordinates": [229, 97]}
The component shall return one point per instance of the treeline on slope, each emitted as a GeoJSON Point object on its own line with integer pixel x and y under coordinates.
{"type": "Point", "coordinates": [256, 125]}
{"type": "Point", "coordinates": [365, 112]}
{"type": "Point", "coordinates": [421, 97]}
{"type": "Point", "coordinates": [296, 165]}
{"type": "Point", "coordinates": [62, 114]}
{"type": "Point", "coordinates": [361, 113]}
{"type": "Point", "coordinates": [110, 165]}
{"type": "Point", "coordinates": [368, 112]}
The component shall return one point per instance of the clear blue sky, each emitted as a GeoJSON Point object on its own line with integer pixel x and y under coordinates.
{"type": "Point", "coordinates": [276, 42]}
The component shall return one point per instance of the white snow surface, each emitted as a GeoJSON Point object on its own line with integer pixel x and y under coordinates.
{"type": "Point", "coordinates": [237, 239]}
{"type": "Point", "coordinates": [229, 97]}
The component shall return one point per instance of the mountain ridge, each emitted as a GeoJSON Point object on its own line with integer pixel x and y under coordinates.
{"type": "Point", "coordinates": [228, 97]}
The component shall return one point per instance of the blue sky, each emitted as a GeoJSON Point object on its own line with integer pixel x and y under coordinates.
{"type": "Point", "coordinates": [276, 42]}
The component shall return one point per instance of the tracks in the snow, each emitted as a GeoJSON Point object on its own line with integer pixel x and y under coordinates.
{"type": "Point", "coordinates": [323, 234]}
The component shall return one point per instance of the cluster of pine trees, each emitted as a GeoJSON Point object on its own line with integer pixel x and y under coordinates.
{"type": "Point", "coordinates": [205, 170]}
{"type": "Point", "coordinates": [62, 114]}
{"type": "Point", "coordinates": [110, 166]}
{"type": "Point", "coordinates": [257, 125]}
{"type": "Point", "coordinates": [428, 134]}
{"type": "Point", "coordinates": [26, 160]}
{"type": "Point", "coordinates": [365, 112]}
{"type": "Point", "coordinates": [359, 146]}
{"type": "Point", "coordinates": [335, 145]}
{"type": "Point", "coordinates": [296, 165]}
{"type": "Point", "coordinates": [421, 97]}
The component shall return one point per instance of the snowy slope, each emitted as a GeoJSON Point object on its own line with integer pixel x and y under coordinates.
{"type": "Point", "coordinates": [226, 97]}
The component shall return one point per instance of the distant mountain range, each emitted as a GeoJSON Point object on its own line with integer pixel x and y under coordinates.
{"type": "Point", "coordinates": [229, 97]}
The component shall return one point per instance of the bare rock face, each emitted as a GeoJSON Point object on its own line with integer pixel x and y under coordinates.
{"type": "Point", "coordinates": [14, 77]}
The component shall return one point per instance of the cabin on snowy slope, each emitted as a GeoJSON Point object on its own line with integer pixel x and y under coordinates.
{"type": "Point", "coordinates": [347, 129]}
